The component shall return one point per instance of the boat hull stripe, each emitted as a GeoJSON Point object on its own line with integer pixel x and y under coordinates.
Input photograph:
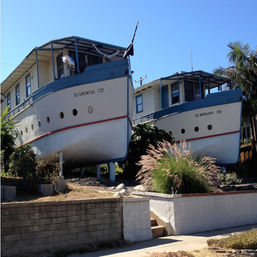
{"type": "Point", "coordinates": [74, 126]}
{"type": "Point", "coordinates": [216, 135]}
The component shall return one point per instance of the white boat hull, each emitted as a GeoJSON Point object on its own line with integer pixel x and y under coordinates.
{"type": "Point", "coordinates": [210, 131]}
{"type": "Point", "coordinates": [97, 131]}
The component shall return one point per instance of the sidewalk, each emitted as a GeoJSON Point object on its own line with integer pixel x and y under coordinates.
{"type": "Point", "coordinates": [166, 244]}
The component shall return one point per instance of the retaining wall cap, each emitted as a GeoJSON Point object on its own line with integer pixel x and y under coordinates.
{"type": "Point", "coordinates": [64, 202]}
{"type": "Point", "coordinates": [156, 195]}
{"type": "Point", "coordinates": [137, 199]}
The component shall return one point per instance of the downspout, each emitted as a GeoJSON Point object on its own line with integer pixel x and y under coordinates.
{"type": "Point", "coordinates": [77, 54]}
{"type": "Point", "coordinates": [37, 69]}
{"type": "Point", "coordinates": [52, 49]}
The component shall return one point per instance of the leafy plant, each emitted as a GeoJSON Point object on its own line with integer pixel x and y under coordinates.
{"type": "Point", "coordinates": [23, 162]}
{"type": "Point", "coordinates": [229, 178]}
{"type": "Point", "coordinates": [243, 240]}
{"type": "Point", "coordinates": [167, 168]}
{"type": "Point", "coordinates": [8, 135]}
{"type": "Point", "coordinates": [143, 135]}
{"type": "Point", "coordinates": [46, 171]}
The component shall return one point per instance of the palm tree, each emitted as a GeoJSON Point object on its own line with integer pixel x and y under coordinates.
{"type": "Point", "coordinates": [239, 53]}
{"type": "Point", "coordinates": [243, 74]}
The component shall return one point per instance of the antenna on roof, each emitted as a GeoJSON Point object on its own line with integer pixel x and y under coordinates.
{"type": "Point", "coordinates": [141, 80]}
{"type": "Point", "coordinates": [130, 49]}
{"type": "Point", "coordinates": [192, 69]}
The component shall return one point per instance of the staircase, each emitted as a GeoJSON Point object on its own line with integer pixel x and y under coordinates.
{"type": "Point", "coordinates": [157, 229]}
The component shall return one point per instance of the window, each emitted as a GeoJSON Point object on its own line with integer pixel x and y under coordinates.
{"type": "Point", "coordinates": [9, 100]}
{"type": "Point", "coordinates": [174, 93]}
{"type": "Point", "coordinates": [139, 103]}
{"type": "Point", "coordinates": [17, 94]}
{"type": "Point", "coordinates": [60, 70]}
{"type": "Point", "coordinates": [28, 85]}
{"type": "Point", "coordinates": [93, 59]}
{"type": "Point", "coordinates": [75, 112]}
{"type": "Point", "coordinates": [165, 96]}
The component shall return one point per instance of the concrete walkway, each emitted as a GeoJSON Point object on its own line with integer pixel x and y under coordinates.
{"type": "Point", "coordinates": [166, 244]}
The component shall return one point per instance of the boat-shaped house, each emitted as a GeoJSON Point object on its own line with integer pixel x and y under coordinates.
{"type": "Point", "coordinates": [73, 96]}
{"type": "Point", "coordinates": [198, 107]}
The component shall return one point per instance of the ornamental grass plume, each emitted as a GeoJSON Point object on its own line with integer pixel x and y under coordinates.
{"type": "Point", "coordinates": [167, 168]}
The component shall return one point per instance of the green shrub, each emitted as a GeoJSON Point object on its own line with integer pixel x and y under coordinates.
{"type": "Point", "coordinates": [47, 171]}
{"type": "Point", "coordinates": [143, 135]}
{"type": "Point", "coordinates": [169, 168]}
{"type": "Point", "coordinates": [23, 163]}
{"type": "Point", "coordinates": [243, 240]}
{"type": "Point", "coordinates": [8, 135]}
{"type": "Point", "coordinates": [228, 178]}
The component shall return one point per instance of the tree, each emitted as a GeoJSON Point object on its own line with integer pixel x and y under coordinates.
{"type": "Point", "coordinates": [243, 74]}
{"type": "Point", "coordinates": [143, 136]}
{"type": "Point", "coordinates": [8, 135]}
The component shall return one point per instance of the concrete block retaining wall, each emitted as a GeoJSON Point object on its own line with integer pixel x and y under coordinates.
{"type": "Point", "coordinates": [192, 213]}
{"type": "Point", "coordinates": [136, 219]}
{"type": "Point", "coordinates": [40, 226]}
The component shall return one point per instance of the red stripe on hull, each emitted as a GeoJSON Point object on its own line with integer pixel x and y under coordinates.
{"type": "Point", "coordinates": [216, 135]}
{"type": "Point", "coordinates": [74, 126]}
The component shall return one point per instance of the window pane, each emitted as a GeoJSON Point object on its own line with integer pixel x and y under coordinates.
{"type": "Point", "coordinates": [9, 100]}
{"type": "Point", "coordinates": [139, 99]}
{"type": "Point", "coordinates": [165, 97]}
{"type": "Point", "coordinates": [17, 94]}
{"type": "Point", "coordinates": [28, 85]}
{"type": "Point", "coordinates": [140, 108]}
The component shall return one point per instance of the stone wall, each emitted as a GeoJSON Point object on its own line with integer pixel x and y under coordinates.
{"type": "Point", "coordinates": [34, 227]}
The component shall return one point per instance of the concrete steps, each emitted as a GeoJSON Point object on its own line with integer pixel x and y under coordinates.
{"type": "Point", "coordinates": [157, 230]}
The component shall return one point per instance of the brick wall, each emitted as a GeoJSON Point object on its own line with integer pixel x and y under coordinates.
{"type": "Point", "coordinates": [33, 227]}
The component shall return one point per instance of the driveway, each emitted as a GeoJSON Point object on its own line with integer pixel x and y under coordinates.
{"type": "Point", "coordinates": [166, 244]}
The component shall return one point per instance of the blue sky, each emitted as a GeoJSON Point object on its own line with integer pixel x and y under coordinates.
{"type": "Point", "coordinates": [168, 30]}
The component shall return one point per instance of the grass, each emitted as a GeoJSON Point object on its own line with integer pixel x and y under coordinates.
{"type": "Point", "coordinates": [244, 240]}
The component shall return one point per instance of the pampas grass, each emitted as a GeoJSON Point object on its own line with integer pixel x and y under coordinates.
{"type": "Point", "coordinates": [171, 168]}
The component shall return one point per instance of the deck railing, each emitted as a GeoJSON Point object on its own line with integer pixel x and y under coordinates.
{"type": "Point", "coordinates": [20, 107]}
{"type": "Point", "coordinates": [144, 119]}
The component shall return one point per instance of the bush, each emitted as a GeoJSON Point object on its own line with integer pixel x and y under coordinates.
{"type": "Point", "coordinates": [228, 178]}
{"type": "Point", "coordinates": [23, 163]}
{"type": "Point", "coordinates": [244, 240]}
{"type": "Point", "coordinates": [143, 135]}
{"type": "Point", "coordinates": [8, 136]}
{"type": "Point", "coordinates": [46, 171]}
{"type": "Point", "coordinates": [169, 168]}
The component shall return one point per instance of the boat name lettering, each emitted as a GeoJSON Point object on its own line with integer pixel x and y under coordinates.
{"type": "Point", "coordinates": [206, 113]}
{"type": "Point", "coordinates": [89, 92]}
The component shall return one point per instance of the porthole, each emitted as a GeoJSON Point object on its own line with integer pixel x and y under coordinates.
{"type": "Point", "coordinates": [61, 115]}
{"type": "Point", "coordinates": [32, 126]}
{"type": "Point", "coordinates": [75, 112]}
{"type": "Point", "coordinates": [26, 130]}
{"type": "Point", "coordinates": [47, 119]}
{"type": "Point", "coordinates": [209, 127]}
{"type": "Point", "coordinates": [196, 129]}
{"type": "Point", "coordinates": [39, 123]}
{"type": "Point", "coordinates": [183, 131]}
{"type": "Point", "coordinates": [21, 132]}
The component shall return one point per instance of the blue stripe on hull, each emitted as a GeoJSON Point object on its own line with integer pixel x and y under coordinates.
{"type": "Point", "coordinates": [226, 97]}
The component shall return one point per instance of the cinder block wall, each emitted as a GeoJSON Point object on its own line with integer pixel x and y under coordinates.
{"type": "Point", "coordinates": [34, 227]}
{"type": "Point", "coordinates": [192, 213]}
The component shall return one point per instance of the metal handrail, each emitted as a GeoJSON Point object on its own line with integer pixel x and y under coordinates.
{"type": "Point", "coordinates": [146, 118]}
{"type": "Point", "coordinates": [20, 107]}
